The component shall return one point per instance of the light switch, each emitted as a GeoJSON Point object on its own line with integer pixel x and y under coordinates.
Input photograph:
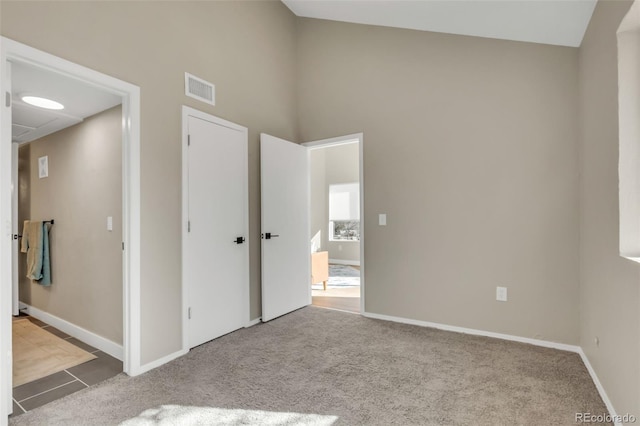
{"type": "Point", "coordinates": [109, 223]}
{"type": "Point", "coordinates": [382, 219]}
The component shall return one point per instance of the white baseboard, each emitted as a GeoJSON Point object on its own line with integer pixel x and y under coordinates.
{"type": "Point", "coordinates": [88, 337]}
{"type": "Point", "coordinates": [596, 381]}
{"type": "Point", "coordinates": [158, 362]}
{"type": "Point", "coordinates": [253, 322]}
{"type": "Point", "coordinates": [536, 342]}
{"type": "Point", "coordinates": [345, 262]}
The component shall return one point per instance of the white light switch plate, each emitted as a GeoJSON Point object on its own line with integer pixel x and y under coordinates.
{"type": "Point", "coordinates": [501, 294]}
{"type": "Point", "coordinates": [43, 167]}
{"type": "Point", "coordinates": [382, 219]}
{"type": "Point", "coordinates": [109, 223]}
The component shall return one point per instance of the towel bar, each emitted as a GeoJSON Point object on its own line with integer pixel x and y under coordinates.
{"type": "Point", "coordinates": [16, 236]}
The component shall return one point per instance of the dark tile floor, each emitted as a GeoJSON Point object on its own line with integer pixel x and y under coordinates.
{"type": "Point", "coordinates": [42, 391]}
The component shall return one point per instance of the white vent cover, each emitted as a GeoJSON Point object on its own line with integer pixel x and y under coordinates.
{"type": "Point", "coordinates": [200, 89]}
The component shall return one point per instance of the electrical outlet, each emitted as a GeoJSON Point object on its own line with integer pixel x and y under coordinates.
{"type": "Point", "coordinates": [501, 294]}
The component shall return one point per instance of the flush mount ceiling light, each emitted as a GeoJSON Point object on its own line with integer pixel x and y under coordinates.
{"type": "Point", "coordinates": [41, 102]}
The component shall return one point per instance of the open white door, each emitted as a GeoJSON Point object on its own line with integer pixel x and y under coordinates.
{"type": "Point", "coordinates": [284, 172]}
{"type": "Point", "coordinates": [15, 300]}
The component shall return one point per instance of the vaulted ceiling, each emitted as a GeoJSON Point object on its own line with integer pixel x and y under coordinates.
{"type": "Point", "coordinates": [557, 22]}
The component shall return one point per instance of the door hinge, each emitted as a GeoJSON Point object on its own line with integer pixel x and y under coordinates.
{"type": "Point", "coordinates": [188, 226]}
{"type": "Point", "coordinates": [7, 99]}
{"type": "Point", "coordinates": [188, 140]}
{"type": "Point", "coordinates": [123, 245]}
{"type": "Point", "coordinates": [189, 313]}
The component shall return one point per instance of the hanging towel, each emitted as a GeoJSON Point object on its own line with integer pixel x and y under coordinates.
{"type": "Point", "coordinates": [46, 258]}
{"type": "Point", "coordinates": [32, 244]}
{"type": "Point", "coordinates": [35, 242]}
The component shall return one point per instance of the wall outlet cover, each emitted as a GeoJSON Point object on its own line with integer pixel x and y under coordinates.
{"type": "Point", "coordinates": [501, 294]}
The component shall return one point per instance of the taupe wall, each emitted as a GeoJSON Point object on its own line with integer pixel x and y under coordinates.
{"type": "Point", "coordinates": [471, 149]}
{"type": "Point", "coordinates": [247, 49]}
{"type": "Point", "coordinates": [83, 188]}
{"type": "Point", "coordinates": [333, 165]}
{"type": "Point", "coordinates": [610, 285]}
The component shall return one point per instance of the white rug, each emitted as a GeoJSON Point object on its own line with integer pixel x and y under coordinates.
{"type": "Point", "coordinates": [340, 276]}
{"type": "Point", "coordinates": [174, 415]}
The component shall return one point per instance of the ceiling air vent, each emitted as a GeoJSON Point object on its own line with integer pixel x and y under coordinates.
{"type": "Point", "coordinates": [199, 89]}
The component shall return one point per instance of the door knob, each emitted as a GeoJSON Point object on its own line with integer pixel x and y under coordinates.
{"type": "Point", "coordinates": [239, 240]}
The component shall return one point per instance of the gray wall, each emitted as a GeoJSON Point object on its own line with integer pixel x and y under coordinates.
{"type": "Point", "coordinates": [247, 49]}
{"type": "Point", "coordinates": [610, 285]}
{"type": "Point", "coordinates": [329, 166]}
{"type": "Point", "coordinates": [83, 188]}
{"type": "Point", "coordinates": [471, 148]}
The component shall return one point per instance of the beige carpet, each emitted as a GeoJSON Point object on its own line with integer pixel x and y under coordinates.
{"type": "Point", "coordinates": [38, 353]}
{"type": "Point", "coordinates": [361, 371]}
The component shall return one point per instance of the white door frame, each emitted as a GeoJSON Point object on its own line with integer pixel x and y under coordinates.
{"type": "Point", "coordinates": [15, 310]}
{"type": "Point", "coordinates": [12, 51]}
{"type": "Point", "coordinates": [186, 113]}
{"type": "Point", "coordinates": [344, 140]}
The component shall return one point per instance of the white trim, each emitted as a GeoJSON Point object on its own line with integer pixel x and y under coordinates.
{"type": "Point", "coordinates": [15, 303]}
{"type": "Point", "coordinates": [6, 243]}
{"type": "Point", "coordinates": [253, 322]}
{"type": "Point", "coordinates": [472, 331]}
{"type": "Point", "coordinates": [596, 381]}
{"type": "Point", "coordinates": [345, 262]}
{"type": "Point", "coordinates": [18, 52]}
{"type": "Point", "coordinates": [345, 140]}
{"type": "Point", "coordinates": [105, 345]}
{"type": "Point", "coordinates": [158, 362]}
{"type": "Point", "coordinates": [191, 112]}
{"type": "Point", "coordinates": [340, 140]}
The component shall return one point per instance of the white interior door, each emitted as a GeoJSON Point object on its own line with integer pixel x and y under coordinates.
{"type": "Point", "coordinates": [15, 301]}
{"type": "Point", "coordinates": [284, 168]}
{"type": "Point", "coordinates": [216, 254]}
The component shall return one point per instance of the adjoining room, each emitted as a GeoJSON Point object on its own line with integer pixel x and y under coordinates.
{"type": "Point", "coordinates": [335, 226]}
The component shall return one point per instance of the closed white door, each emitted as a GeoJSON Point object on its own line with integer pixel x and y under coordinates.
{"type": "Point", "coordinates": [286, 252]}
{"type": "Point", "coordinates": [216, 255]}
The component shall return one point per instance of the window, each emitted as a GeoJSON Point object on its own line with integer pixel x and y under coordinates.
{"type": "Point", "coordinates": [629, 133]}
{"type": "Point", "coordinates": [344, 212]}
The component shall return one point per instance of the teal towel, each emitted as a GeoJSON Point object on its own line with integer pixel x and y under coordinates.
{"type": "Point", "coordinates": [46, 259]}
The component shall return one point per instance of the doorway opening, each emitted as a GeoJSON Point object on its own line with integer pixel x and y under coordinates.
{"type": "Point", "coordinates": [67, 191]}
{"type": "Point", "coordinates": [336, 223]}
{"type": "Point", "coordinates": [125, 348]}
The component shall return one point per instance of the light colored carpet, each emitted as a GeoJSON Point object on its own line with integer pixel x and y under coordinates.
{"type": "Point", "coordinates": [172, 415]}
{"type": "Point", "coordinates": [363, 371]}
{"type": "Point", "coordinates": [38, 353]}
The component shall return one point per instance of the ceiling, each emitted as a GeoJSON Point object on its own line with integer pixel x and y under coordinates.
{"type": "Point", "coordinates": [80, 100]}
{"type": "Point", "coordinates": [557, 22]}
